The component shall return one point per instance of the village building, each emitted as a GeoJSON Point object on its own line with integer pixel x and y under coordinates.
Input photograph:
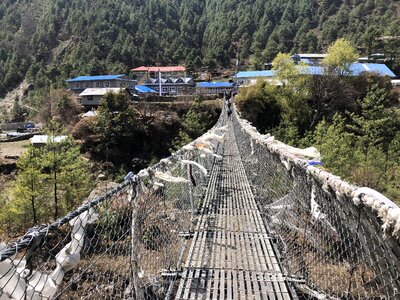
{"type": "Point", "coordinates": [79, 84]}
{"type": "Point", "coordinates": [143, 90]}
{"type": "Point", "coordinates": [212, 88]}
{"type": "Point", "coordinates": [91, 97]}
{"type": "Point", "coordinates": [41, 140]}
{"type": "Point", "coordinates": [166, 81]}
{"type": "Point", "coordinates": [143, 73]}
{"type": "Point", "coordinates": [246, 78]}
{"type": "Point", "coordinates": [171, 86]}
{"type": "Point", "coordinates": [311, 59]}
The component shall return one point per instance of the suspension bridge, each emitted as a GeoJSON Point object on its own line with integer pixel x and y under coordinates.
{"type": "Point", "coordinates": [232, 215]}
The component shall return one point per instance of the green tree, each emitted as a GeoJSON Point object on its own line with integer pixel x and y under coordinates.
{"type": "Point", "coordinates": [392, 182]}
{"type": "Point", "coordinates": [195, 123]}
{"type": "Point", "coordinates": [256, 61]}
{"type": "Point", "coordinates": [376, 124]}
{"type": "Point", "coordinates": [293, 95]}
{"type": "Point", "coordinates": [258, 104]}
{"type": "Point", "coordinates": [364, 149]}
{"type": "Point", "coordinates": [285, 68]}
{"type": "Point", "coordinates": [17, 109]}
{"type": "Point", "coordinates": [336, 145]}
{"type": "Point", "coordinates": [369, 39]}
{"type": "Point", "coordinates": [27, 203]}
{"type": "Point", "coordinates": [51, 181]}
{"type": "Point", "coordinates": [341, 55]}
{"type": "Point", "coordinates": [120, 131]}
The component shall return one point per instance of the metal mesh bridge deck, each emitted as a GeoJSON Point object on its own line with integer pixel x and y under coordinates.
{"type": "Point", "coordinates": [231, 255]}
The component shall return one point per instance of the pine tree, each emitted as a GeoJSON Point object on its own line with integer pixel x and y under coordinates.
{"type": "Point", "coordinates": [336, 145]}
{"type": "Point", "coordinates": [195, 123]}
{"type": "Point", "coordinates": [376, 124]}
{"type": "Point", "coordinates": [52, 180]}
{"type": "Point", "coordinates": [119, 129]}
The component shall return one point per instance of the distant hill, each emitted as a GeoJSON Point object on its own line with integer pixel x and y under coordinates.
{"type": "Point", "coordinates": [46, 41]}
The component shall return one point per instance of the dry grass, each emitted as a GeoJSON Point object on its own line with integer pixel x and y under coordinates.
{"type": "Point", "coordinates": [336, 278]}
{"type": "Point", "coordinates": [13, 148]}
{"type": "Point", "coordinates": [327, 264]}
{"type": "Point", "coordinates": [101, 277]}
{"type": "Point", "coordinates": [155, 213]}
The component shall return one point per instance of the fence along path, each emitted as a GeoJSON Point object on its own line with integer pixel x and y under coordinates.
{"type": "Point", "coordinates": [334, 240]}
{"type": "Point", "coordinates": [231, 255]}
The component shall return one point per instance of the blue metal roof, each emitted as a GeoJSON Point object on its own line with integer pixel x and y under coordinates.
{"type": "Point", "coordinates": [356, 69]}
{"type": "Point", "coordinates": [214, 84]}
{"type": "Point", "coordinates": [250, 74]}
{"type": "Point", "coordinates": [381, 69]}
{"type": "Point", "coordinates": [94, 78]}
{"type": "Point", "coordinates": [144, 89]}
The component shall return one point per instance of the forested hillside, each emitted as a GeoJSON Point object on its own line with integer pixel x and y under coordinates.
{"type": "Point", "coordinates": [47, 41]}
{"type": "Point", "coordinates": [354, 121]}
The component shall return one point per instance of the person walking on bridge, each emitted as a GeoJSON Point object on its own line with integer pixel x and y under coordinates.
{"type": "Point", "coordinates": [229, 109]}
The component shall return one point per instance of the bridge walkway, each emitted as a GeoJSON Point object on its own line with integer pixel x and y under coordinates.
{"type": "Point", "coordinates": [231, 255]}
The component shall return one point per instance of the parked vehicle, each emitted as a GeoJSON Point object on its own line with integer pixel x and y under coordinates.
{"type": "Point", "coordinates": [25, 127]}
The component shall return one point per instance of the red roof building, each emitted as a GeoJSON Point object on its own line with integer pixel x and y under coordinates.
{"type": "Point", "coordinates": [142, 73]}
{"type": "Point", "coordinates": [160, 69]}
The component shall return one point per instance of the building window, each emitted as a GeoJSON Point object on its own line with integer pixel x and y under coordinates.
{"type": "Point", "coordinates": [76, 85]}
{"type": "Point", "coordinates": [87, 84]}
{"type": "Point", "coordinates": [172, 90]}
{"type": "Point", "coordinates": [97, 84]}
{"type": "Point", "coordinates": [180, 90]}
{"type": "Point", "coordinates": [107, 84]}
{"type": "Point", "coordinates": [89, 98]}
{"type": "Point", "coordinates": [165, 90]}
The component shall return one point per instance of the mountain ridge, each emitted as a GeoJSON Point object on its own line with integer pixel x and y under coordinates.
{"type": "Point", "coordinates": [46, 42]}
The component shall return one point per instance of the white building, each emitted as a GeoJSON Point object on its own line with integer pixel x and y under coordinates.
{"type": "Point", "coordinates": [93, 96]}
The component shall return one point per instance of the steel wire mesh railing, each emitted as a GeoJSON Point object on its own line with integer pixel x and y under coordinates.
{"type": "Point", "coordinates": [94, 239]}
{"type": "Point", "coordinates": [167, 211]}
{"type": "Point", "coordinates": [128, 243]}
{"type": "Point", "coordinates": [335, 240]}
{"type": "Point", "coordinates": [329, 234]}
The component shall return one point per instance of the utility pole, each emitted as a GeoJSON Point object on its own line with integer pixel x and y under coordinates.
{"type": "Point", "coordinates": [55, 178]}
{"type": "Point", "coordinates": [159, 82]}
{"type": "Point", "coordinates": [237, 44]}
{"type": "Point", "coordinates": [32, 155]}
{"type": "Point", "coordinates": [236, 72]}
